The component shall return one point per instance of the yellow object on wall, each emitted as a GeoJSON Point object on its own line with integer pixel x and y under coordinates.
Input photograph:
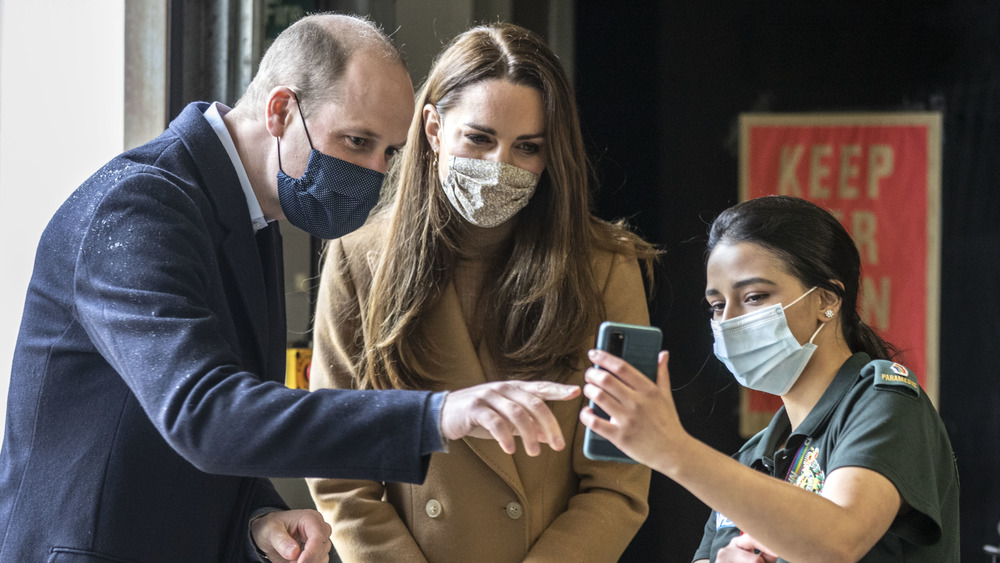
{"type": "Point", "coordinates": [297, 365]}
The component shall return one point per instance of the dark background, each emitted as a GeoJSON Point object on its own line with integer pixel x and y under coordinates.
{"type": "Point", "coordinates": [660, 87]}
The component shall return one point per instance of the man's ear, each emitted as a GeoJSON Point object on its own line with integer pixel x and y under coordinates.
{"type": "Point", "coordinates": [432, 126]}
{"type": "Point", "coordinates": [280, 109]}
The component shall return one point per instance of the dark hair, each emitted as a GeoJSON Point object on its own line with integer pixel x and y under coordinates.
{"type": "Point", "coordinates": [814, 247]}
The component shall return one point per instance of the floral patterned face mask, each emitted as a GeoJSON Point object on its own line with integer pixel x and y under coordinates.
{"type": "Point", "coordinates": [487, 193]}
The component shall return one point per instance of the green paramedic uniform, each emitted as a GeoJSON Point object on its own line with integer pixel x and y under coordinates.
{"type": "Point", "coordinates": [873, 415]}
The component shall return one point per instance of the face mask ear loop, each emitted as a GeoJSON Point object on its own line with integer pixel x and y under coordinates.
{"type": "Point", "coordinates": [303, 118]}
{"type": "Point", "coordinates": [821, 325]}
{"type": "Point", "coordinates": [279, 154]}
{"type": "Point", "coordinates": [800, 297]}
{"type": "Point", "coordinates": [299, 107]}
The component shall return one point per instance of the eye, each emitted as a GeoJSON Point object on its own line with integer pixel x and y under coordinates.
{"type": "Point", "coordinates": [716, 307]}
{"type": "Point", "coordinates": [391, 152]}
{"type": "Point", "coordinates": [477, 138]}
{"type": "Point", "coordinates": [530, 148]}
{"type": "Point", "coordinates": [756, 298]}
{"type": "Point", "coordinates": [359, 142]}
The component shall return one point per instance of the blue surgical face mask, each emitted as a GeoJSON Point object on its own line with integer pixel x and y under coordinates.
{"type": "Point", "coordinates": [332, 198]}
{"type": "Point", "coordinates": [760, 350]}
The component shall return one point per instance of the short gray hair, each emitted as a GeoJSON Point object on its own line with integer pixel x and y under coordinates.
{"type": "Point", "coordinates": [310, 57]}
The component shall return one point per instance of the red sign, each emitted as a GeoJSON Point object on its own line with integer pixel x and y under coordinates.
{"type": "Point", "coordinates": [880, 174]}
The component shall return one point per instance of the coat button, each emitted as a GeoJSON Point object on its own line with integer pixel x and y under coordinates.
{"type": "Point", "coordinates": [514, 510]}
{"type": "Point", "coordinates": [433, 508]}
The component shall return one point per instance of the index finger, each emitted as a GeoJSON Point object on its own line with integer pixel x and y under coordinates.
{"type": "Point", "coordinates": [316, 550]}
{"type": "Point", "coordinates": [748, 543]}
{"type": "Point", "coordinates": [531, 392]}
{"type": "Point", "coordinates": [623, 370]}
{"type": "Point", "coordinates": [316, 535]}
{"type": "Point", "coordinates": [548, 390]}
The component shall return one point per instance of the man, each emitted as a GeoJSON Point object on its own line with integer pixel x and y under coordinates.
{"type": "Point", "coordinates": [145, 407]}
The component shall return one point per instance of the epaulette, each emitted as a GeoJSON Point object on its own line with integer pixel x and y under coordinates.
{"type": "Point", "coordinates": [890, 376]}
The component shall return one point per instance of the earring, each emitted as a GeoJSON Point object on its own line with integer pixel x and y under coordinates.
{"type": "Point", "coordinates": [434, 163]}
{"type": "Point", "coordinates": [829, 313]}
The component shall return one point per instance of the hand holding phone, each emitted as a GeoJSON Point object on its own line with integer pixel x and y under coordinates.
{"type": "Point", "coordinates": [638, 345]}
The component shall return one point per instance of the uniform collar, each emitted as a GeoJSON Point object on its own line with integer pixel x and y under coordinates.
{"type": "Point", "coordinates": [815, 422]}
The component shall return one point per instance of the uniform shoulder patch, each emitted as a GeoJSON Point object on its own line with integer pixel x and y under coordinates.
{"type": "Point", "coordinates": [890, 376]}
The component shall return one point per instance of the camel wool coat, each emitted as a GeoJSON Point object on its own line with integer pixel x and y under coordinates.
{"type": "Point", "coordinates": [477, 503]}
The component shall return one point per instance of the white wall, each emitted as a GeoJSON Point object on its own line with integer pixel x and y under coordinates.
{"type": "Point", "coordinates": [61, 118]}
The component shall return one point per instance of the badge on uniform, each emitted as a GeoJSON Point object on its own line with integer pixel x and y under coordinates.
{"type": "Point", "coordinates": [723, 522]}
{"type": "Point", "coordinates": [894, 377]}
{"type": "Point", "coordinates": [806, 472]}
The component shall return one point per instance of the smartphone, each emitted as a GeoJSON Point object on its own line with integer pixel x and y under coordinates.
{"type": "Point", "coordinates": [637, 345]}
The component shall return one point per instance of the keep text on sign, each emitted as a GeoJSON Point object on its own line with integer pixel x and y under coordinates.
{"type": "Point", "coordinates": [880, 175]}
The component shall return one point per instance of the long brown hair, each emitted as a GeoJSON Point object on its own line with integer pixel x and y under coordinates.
{"type": "Point", "coordinates": [546, 289]}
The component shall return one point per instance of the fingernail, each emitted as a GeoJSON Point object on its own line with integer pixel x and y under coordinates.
{"type": "Point", "coordinates": [592, 354]}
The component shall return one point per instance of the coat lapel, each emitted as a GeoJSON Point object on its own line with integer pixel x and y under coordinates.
{"type": "Point", "coordinates": [240, 254]}
{"type": "Point", "coordinates": [463, 367]}
{"type": "Point", "coordinates": [272, 262]}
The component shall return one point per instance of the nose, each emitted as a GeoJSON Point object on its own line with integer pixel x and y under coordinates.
{"type": "Point", "coordinates": [499, 154]}
{"type": "Point", "coordinates": [729, 312]}
{"type": "Point", "coordinates": [377, 162]}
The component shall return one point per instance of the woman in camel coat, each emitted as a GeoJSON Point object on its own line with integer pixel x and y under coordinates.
{"type": "Point", "coordinates": [483, 263]}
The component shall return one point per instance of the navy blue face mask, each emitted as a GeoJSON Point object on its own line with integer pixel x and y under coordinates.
{"type": "Point", "coordinates": [332, 198]}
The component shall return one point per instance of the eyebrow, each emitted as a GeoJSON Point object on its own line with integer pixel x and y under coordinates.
{"type": "Point", "coordinates": [492, 131]}
{"type": "Point", "coordinates": [366, 133]}
{"type": "Point", "coordinates": [369, 134]}
{"type": "Point", "coordinates": [351, 131]}
{"type": "Point", "coordinates": [739, 284]}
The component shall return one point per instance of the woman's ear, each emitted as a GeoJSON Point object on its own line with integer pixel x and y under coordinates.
{"type": "Point", "coordinates": [432, 126]}
{"type": "Point", "coordinates": [279, 110]}
{"type": "Point", "coordinates": [830, 301]}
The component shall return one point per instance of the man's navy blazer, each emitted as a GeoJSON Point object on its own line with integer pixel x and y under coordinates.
{"type": "Point", "coordinates": [146, 404]}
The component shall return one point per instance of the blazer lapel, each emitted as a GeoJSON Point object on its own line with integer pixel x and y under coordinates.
{"type": "Point", "coordinates": [272, 262]}
{"type": "Point", "coordinates": [239, 248]}
{"type": "Point", "coordinates": [462, 367]}
{"type": "Point", "coordinates": [240, 255]}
